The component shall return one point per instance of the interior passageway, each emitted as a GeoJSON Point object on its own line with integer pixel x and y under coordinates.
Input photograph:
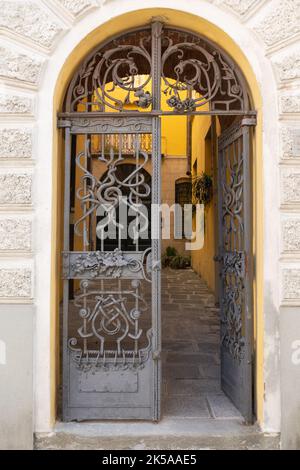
{"type": "Point", "coordinates": [191, 344]}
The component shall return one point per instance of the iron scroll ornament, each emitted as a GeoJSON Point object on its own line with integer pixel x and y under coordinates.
{"type": "Point", "coordinates": [107, 319]}
{"type": "Point", "coordinates": [93, 192]}
{"type": "Point", "coordinates": [232, 272]}
{"type": "Point", "coordinates": [233, 255]}
{"type": "Point", "coordinates": [116, 66]}
{"type": "Point", "coordinates": [110, 264]}
{"type": "Point", "coordinates": [202, 72]}
{"type": "Point", "coordinates": [193, 72]}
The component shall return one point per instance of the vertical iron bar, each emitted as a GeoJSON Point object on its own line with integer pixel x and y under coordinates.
{"type": "Point", "coordinates": [117, 221]}
{"type": "Point", "coordinates": [235, 161]}
{"type": "Point", "coordinates": [156, 221]}
{"type": "Point", "coordinates": [221, 228]}
{"type": "Point", "coordinates": [85, 224]}
{"type": "Point", "coordinates": [92, 245]}
{"type": "Point", "coordinates": [85, 228]}
{"type": "Point", "coordinates": [248, 303]}
{"type": "Point", "coordinates": [137, 153]}
{"type": "Point", "coordinates": [214, 155]}
{"type": "Point", "coordinates": [66, 378]}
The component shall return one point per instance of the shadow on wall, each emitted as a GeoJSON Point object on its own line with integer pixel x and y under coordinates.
{"type": "Point", "coordinates": [272, 345]}
{"type": "Point", "coordinates": [289, 321]}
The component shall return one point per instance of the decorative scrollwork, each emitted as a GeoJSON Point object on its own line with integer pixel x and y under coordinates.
{"type": "Point", "coordinates": [109, 190]}
{"type": "Point", "coordinates": [234, 263]}
{"type": "Point", "coordinates": [231, 321]}
{"type": "Point", "coordinates": [232, 185]}
{"type": "Point", "coordinates": [233, 258]}
{"type": "Point", "coordinates": [126, 67]}
{"type": "Point", "coordinates": [194, 72]}
{"type": "Point", "coordinates": [181, 105]}
{"type": "Point", "coordinates": [90, 125]}
{"type": "Point", "coordinates": [201, 71]}
{"type": "Point", "coordinates": [144, 98]}
{"type": "Point", "coordinates": [110, 336]}
{"type": "Point", "coordinates": [110, 264]}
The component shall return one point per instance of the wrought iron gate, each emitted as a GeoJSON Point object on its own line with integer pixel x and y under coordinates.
{"type": "Point", "coordinates": [111, 307]}
{"type": "Point", "coordinates": [111, 341]}
{"type": "Point", "coordinates": [235, 257]}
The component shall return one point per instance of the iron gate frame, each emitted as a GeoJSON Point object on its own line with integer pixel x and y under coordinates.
{"type": "Point", "coordinates": [78, 122]}
{"type": "Point", "coordinates": [236, 263]}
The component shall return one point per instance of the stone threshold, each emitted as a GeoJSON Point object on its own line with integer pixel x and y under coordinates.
{"type": "Point", "coordinates": [168, 434]}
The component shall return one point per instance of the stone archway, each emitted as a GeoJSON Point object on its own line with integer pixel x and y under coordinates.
{"type": "Point", "coordinates": [270, 50]}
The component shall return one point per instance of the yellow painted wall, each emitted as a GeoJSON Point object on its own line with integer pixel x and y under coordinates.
{"type": "Point", "coordinates": [203, 161]}
{"type": "Point", "coordinates": [203, 27]}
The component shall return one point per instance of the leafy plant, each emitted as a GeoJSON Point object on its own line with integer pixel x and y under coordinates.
{"type": "Point", "coordinates": [202, 189]}
{"type": "Point", "coordinates": [172, 259]}
{"type": "Point", "coordinates": [171, 251]}
{"type": "Point", "coordinates": [180, 262]}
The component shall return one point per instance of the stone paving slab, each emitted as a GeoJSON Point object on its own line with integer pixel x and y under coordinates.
{"type": "Point", "coordinates": [210, 372]}
{"type": "Point", "coordinates": [221, 407]}
{"type": "Point", "coordinates": [191, 347]}
{"type": "Point", "coordinates": [192, 387]}
{"type": "Point", "coordinates": [192, 358]}
{"type": "Point", "coordinates": [179, 372]}
{"type": "Point", "coordinates": [187, 407]}
{"type": "Point", "coordinates": [180, 346]}
{"type": "Point", "coordinates": [208, 347]}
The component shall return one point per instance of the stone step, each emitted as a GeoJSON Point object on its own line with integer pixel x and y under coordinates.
{"type": "Point", "coordinates": [168, 434]}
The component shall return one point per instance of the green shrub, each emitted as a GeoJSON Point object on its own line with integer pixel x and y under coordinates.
{"type": "Point", "coordinates": [165, 260]}
{"type": "Point", "coordinates": [172, 259]}
{"type": "Point", "coordinates": [202, 187]}
{"type": "Point", "coordinates": [171, 251]}
{"type": "Point", "coordinates": [180, 262]}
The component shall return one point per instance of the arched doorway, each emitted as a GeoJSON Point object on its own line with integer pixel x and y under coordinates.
{"type": "Point", "coordinates": [112, 363]}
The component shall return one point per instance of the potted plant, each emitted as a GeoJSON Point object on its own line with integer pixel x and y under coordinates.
{"type": "Point", "coordinates": [202, 189]}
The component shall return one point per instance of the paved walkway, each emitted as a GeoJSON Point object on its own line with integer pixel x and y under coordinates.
{"type": "Point", "coordinates": [191, 364]}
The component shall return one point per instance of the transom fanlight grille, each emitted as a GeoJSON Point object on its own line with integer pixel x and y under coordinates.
{"type": "Point", "coordinates": [194, 72]}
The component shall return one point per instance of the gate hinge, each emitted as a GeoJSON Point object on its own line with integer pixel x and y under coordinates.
{"type": "Point", "coordinates": [249, 121]}
{"type": "Point", "coordinates": [156, 265]}
{"type": "Point", "coordinates": [156, 355]}
{"type": "Point", "coordinates": [63, 123]}
{"type": "Point", "coordinates": [65, 265]}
